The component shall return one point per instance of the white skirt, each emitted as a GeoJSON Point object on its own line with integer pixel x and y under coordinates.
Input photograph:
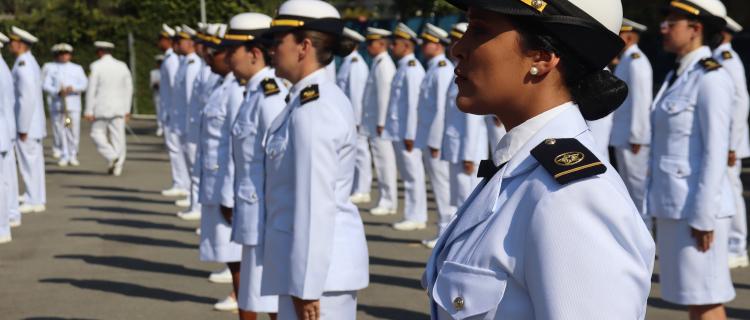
{"type": "Point", "coordinates": [688, 276]}
{"type": "Point", "coordinates": [216, 244]}
{"type": "Point", "coordinates": [251, 273]}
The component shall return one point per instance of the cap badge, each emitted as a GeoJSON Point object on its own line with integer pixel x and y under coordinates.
{"type": "Point", "coordinates": [539, 5]}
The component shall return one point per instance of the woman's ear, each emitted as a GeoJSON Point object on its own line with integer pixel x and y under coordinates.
{"type": "Point", "coordinates": [306, 48]}
{"type": "Point", "coordinates": [543, 62]}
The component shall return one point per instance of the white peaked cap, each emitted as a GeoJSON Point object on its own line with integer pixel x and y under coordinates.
{"type": "Point", "coordinates": [733, 25]}
{"type": "Point", "coordinates": [459, 29]}
{"type": "Point", "coordinates": [250, 21]}
{"type": "Point", "coordinates": [309, 8]}
{"type": "Point", "coordinates": [353, 35]}
{"type": "Point", "coordinates": [22, 35]}
{"type": "Point", "coordinates": [4, 38]}
{"type": "Point", "coordinates": [167, 31]}
{"type": "Point", "coordinates": [630, 25]}
{"type": "Point", "coordinates": [377, 33]}
{"type": "Point", "coordinates": [434, 33]}
{"type": "Point", "coordinates": [104, 45]}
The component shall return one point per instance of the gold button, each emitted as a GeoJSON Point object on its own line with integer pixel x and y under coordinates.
{"type": "Point", "coordinates": [550, 141]}
{"type": "Point", "coordinates": [458, 303]}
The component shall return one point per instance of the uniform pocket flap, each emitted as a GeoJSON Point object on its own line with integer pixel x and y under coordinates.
{"type": "Point", "coordinates": [247, 193]}
{"type": "Point", "coordinates": [675, 167]}
{"type": "Point", "coordinates": [673, 106]}
{"type": "Point", "coordinates": [243, 129]}
{"type": "Point", "coordinates": [465, 291]}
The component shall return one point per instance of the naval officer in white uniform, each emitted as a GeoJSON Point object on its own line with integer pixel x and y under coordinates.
{"type": "Point", "coordinates": [30, 120]}
{"type": "Point", "coordinates": [551, 232]}
{"type": "Point", "coordinates": [352, 78]}
{"type": "Point", "coordinates": [373, 124]}
{"type": "Point", "coordinates": [315, 255]}
{"type": "Point", "coordinates": [8, 163]}
{"type": "Point", "coordinates": [739, 146]}
{"type": "Point", "coordinates": [108, 101]}
{"type": "Point", "coordinates": [66, 80]}
{"type": "Point", "coordinates": [689, 191]}
{"type": "Point", "coordinates": [631, 129]}
{"type": "Point", "coordinates": [264, 100]}
{"type": "Point", "coordinates": [7, 99]}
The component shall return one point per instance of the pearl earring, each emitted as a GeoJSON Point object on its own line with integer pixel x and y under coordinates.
{"type": "Point", "coordinates": [534, 71]}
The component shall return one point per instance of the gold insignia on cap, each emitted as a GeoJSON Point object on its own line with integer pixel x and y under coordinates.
{"type": "Point", "coordinates": [430, 37]}
{"type": "Point", "coordinates": [287, 23]}
{"type": "Point", "coordinates": [374, 37]}
{"type": "Point", "coordinates": [569, 158]}
{"type": "Point", "coordinates": [309, 94]}
{"type": "Point", "coordinates": [539, 5]}
{"type": "Point", "coordinates": [685, 7]}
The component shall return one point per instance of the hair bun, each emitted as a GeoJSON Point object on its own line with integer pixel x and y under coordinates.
{"type": "Point", "coordinates": [599, 94]}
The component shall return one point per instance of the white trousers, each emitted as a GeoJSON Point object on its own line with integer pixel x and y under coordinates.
{"type": "Point", "coordinates": [4, 195]}
{"type": "Point", "coordinates": [415, 191]}
{"type": "Point", "coordinates": [31, 166]}
{"type": "Point", "coordinates": [385, 168]}
{"type": "Point", "coordinates": [333, 306]}
{"type": "Point", "coordinates": [109, 138]}
{"type": "Point", "coordinates": [437, 170]}
{"type": "Point", "coordinates": [66, 140]}
{"type": "Point", "coordinates": [190, 151]}
{"type": "Point", "coordinates": [251, 274]}
{"type": "Point", "coordinates": [633, 169]}
{"type": "Point", "coordinates": [363, 167]}
{"type": "Point", "coordinates": [180, 175]}
{"type": "Point", "coordinates": [10, 174]}
{"type": "Point", "coordinates": [738, 227]}
{"type": "Point", "coordinates": [159, 125]}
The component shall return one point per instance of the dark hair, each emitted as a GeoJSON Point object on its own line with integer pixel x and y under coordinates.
{"type": "Point", "coordinates": [262, 46]}
{"type": "Point", "coordinates": [596, 91]}
{"type": "Point", "coordinates": [325, 44]}
{"type": "Point", "coordinates": [346, 46]}
{"type": "Point", "coordinates": [712, 36]}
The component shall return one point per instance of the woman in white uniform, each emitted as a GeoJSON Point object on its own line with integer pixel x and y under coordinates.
{"type": "Point", "coordinates": [689, 192]}
{"type": "Point", "coordinates": [551, 232]}
{"type": "Point", "coordinates": [315, 254]}
{"type": "Point", "coordinates": [216, 190]}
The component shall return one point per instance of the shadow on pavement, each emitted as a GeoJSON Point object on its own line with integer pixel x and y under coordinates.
{"type": "Point", "coordinates": [396, 281]}
{"type": "Point", "coordinates": [396, 263]}
{"type": "Point", "coordinates": [137, 224]}
{"type": "Point", "coordinates": [136, 264]}
{"type": "Point", "coordinates": [391, 313]}
{"type": "Point", "coordinates": [379, 238]}
{"type": "Point", "coordinates": [75, 172]}
{"type": "Point", "coordinates": [147, 159]}
{"type": "Point", "coordinates": [123, 198]}
{"type": "Point", "coordinates": [55, 318]}
{"type": "Point", "coordinates": [120, 210]}
{"type": "Point", "coordinates": [131, 290]}
{"type": "Point", "coordinates": [148, 241]}
{"type": "Point", "coordinates": [106, 188]}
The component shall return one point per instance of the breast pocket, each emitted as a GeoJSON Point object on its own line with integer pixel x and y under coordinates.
{"type": "Point", "coordinates": [679, 115]}
{"type": "Point", "coordinates": [276, 147]}
{"type": "Point", "coordinates": [467, 292]}
{"type": "Point", "coordinates": [674, 190]}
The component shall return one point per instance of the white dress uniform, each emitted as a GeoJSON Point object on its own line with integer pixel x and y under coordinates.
{"type": "Point", "coordinates": [465, 139]}
{"type": "Point", "coordinates": [184, 98]}
{"type": "Point", "coordinates": [374, 110]}
{"type": "Point", "coordinates": [217, 171]}
{"type": "Point", "coordinates": [632, 123]}
{"type": "Point", "coordinates": [6, 146]}
{"type": "Point", "coordinates": [739, 136]}
{"type": "Point", "coordinates": [495, 132]}
{"type": "Point", "coordinates": [315, 241]}
{"type": "Point", "coordinates": [154, 79]}
{"type": "Point", "coordinates": [430, 129]}
{"type": "Point", "coordinates": [30, 120]}
{"type": "Point", "coordinates": [180, 179]}
{"type": "Point", "coordinates": [689, 186]}
{"type": "Point", "coordinates": [8, 164]}
{"type": "Point", "coordinates": [352, 78]}
{"type": "Point", "coordinates": [108, 100]}
{"type": "Point", "coordinates": [263, 103]}
{"type": "Point", "coordinates": [331, 70]}
{"type": "Point", "coordinates": [56, 141]}
{"type": "Point", "coordinates": [202, 87]}
{"type": "Point", "coordinates": [502, 258]}
{"type": "Point", "coordinates": [64, 75]}
{"type": "Point", "coordinates": [402, 125]}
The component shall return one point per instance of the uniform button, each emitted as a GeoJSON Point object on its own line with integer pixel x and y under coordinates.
{"type": "Point", "coordinates": [458, 303]}
{"type": "Point", "coordinates": [215, 167]}
{"type": "Point", "coordinates": [550, 141]}
{"type": "Point", "coordinates": [254, 197]}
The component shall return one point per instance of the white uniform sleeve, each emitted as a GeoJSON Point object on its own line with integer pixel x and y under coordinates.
{"type": "Point", "coordinates": [127, 90]}
{"type": "Point", "coordinates": [413, 84]}
{"type": "Point", "coordinates": [49, 85]}
{"type": "Point", "coordinates": [642, 92]}
{"type": "Point", "coordinates": [79, 80]}
{"type": "Point", "coordinates": [24, 83]}
{"type": "Point", "coordinates": [91, 91]}
{"type": "Point", "coordinates": [384, 80]}
{"type": "Point", "coordinates": [357, 82]}
{"type": "Point", "coordinates": [235, 101]}
{"type": "Point", "coordinates": [741, 107]}
{"type": "Point", "coordinates": [435, 136]}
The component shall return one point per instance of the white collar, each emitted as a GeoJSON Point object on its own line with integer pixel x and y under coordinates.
{"type": "Point", "coordinates": [406, 58]}
{"type": "Point", "coordinates": [436, 59]}
{"type": "Point", "coordinates": [264, 73]}
{"type": "Point", "coordinates": [692, 58]}
{"type": "Point", "coordinates": [517, 137]}
{"type": "Point", "coordinates": [318, 76]}
{"type": "Point", "coordinates": [724, 47]}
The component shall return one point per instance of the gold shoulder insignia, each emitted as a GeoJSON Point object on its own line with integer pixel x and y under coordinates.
{"type": "Point", "coordinates": [412, 63]}
{"type": "Point", "coordinates": [21, 63]}
{"type": "Point", "coordinates": [710, 64]}
{"type": "Point", "coordinates": [442, 63]}
{"type": "Point", "coordinates": [726, 55]}
{"type": "Point", "coordinates": [270, 87]}
{"type": "Point", "coordinates": [309, 94]}
{"type": "Point", "coordinates": [567, 160]}
{"type": "Point", "coordinates": [191, 61]}
{"type": "Point", "coordinates": [635, 55]}
{"type": "Point", "coordinates": [354, 59]}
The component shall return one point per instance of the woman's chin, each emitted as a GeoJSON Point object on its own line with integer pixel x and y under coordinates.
{"type": "Point", "coordinates": [467, 105]}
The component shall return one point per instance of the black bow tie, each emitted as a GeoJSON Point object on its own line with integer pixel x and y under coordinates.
{"type": "Point", "coordinates": [487, 169]}
{"type": "Point", "coordinates": [674, 74]}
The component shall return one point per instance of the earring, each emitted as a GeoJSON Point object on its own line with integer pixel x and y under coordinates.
{"type": "Point", "coordinates": [534, 71]}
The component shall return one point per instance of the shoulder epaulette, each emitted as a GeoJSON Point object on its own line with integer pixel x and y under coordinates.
{"type": "Point", "coordinates": [726, 55]}
{"type": "Point", "coordinates": [21, 63]}
{"type": "Point", "coordinates": [412, 63]}
{"type": "Point", "coordinates": [567, 160]}
{"type": "Point", "coordinates": [635, 55]}
{"type": "Point", "coordinates": [354, 59]}
{"type": "Point", "coordinates": [191, 61]}
{"type": "Point", "coordinates": [270, 87]}
{"type": "Point", "coordinates": [710, 64]}
{"type": "Point", "coordinates": [442, 63]}
{"type": "Point", "coordinates": [309, 94]}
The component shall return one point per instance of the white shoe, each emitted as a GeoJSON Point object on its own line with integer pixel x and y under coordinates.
{"type": "Point", "coordinates": [74, 162]}
{"type": "Point", "coordinates": [184, 203]}
{"type": "Point", "coordinates": [189, 215]}
{"type": "Point", "coordinates": [62, 163]}
{"type": "Point", "coordinates": [56, 155]}
{"type": "Point", "coordinates": [221, 276]}
{"type": "Point", "coordinates": [409, 225]}
{"type": "Point", "coordinates": [198, 231]}
{"type": "Point", "coordinates": [29, 208]}
{"type": "Point", "coordinates": [21, 198]}
{"type": "Point", "coordinates": [5, 239]}
{"type": "Point", "coordinates": [380, 211]}
{"type": "Point", "coordinates": [738, 260]}
{"type": "Point", "coordinates": [15, 223]}
{"type": "Point", "coordinates": [117, 170]}
{"type": "Point", "coordinates": [159, 132]}
{"type": "Point", "coordinates": [430, 243]}
{"type": "Point", "coordinates": [228, 304]}
{"type": "Point", "coordinates": [174, 192]}
{"type": "Point", "coordinates": [359, 198]}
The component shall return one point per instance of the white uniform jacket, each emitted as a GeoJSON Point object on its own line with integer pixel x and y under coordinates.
{"type": "Point", "coordinates": [632, 120]}
{"type": "Point", "coordinates": [29, 106]}
{"type": "Point", "coordinates": [688, 165]}
{"type": "Point", "coordinates": [377, 91]}
{"type": "Point", "coordinates": [7, 103]}
{"type": "Point", "coordinates": [183, 94]}
{"type": "Point", "coordinates": [110, 90]}
{"type": "Point", "coordinates": [525, 246]}
{"type": "Point", "coordinates": [465, 136]}
{"type": "Point", "coordinates": [352, 78]}
{"type": "Point", "coordinates": [739, 135]}
{"type": "Point", "coordinates": [214, 152]}
{"type": "Point", "coordinates": [202, 87]}
{"type": "Point", "coordinates": [65, 75]}
{"type": "Point", "coordinates": [431, 107]}
{"type": "Point", "coordinates": [168, 72]}
{"type": "Point", "coordinates": [404, 100]}
{"type": "Point", "coordinates": [315, 239]}
{"type": "Point", "coordinates": [263, 103]}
